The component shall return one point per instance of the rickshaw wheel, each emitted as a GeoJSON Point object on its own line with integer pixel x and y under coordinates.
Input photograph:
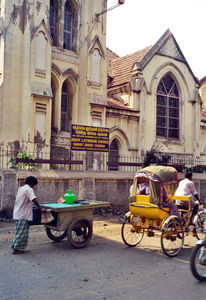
{"type": "Point", "coordinates": [55, 235]}
{"type": "Point", "coordinates": [198, 229]}
{"type": "Point", "coordinates": [130, 236]}
{"type": "Point", "coordinates": [172, 238]}
{"type": "Point", "coordinates": [79, 232]}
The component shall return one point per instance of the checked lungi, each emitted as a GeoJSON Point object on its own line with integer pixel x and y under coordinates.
{"type": "Point", "coordinates": [21, 237]}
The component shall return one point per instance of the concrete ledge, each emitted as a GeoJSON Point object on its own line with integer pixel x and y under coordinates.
{"type": "Point", "coordinates": [111, 186]}
{"type": "Point", "coordinates": [46, 174]}
{"type": "Point", "coordinates": [53, 184]}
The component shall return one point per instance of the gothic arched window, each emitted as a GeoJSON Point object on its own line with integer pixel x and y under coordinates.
{"type": "Point", "coordinates": [64, 37]}
{"type": "Point", "coordinates": [167, 121]}
{"type": "Point", "coordinates": [68, 26]}
{"type": "Point", "coordinates": [66, 108]}
{"type": "Point", "coordinates": [52, 21]}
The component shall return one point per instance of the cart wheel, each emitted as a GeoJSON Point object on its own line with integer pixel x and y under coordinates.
{"type": "Point", "coordinates": [172, 238]}
{"type": "Point", "coordinates": [55, 235]}
{"type": "Point", "coordinates": [198, 262]}
{"type": "Point", "coordinates": [79, 232]}
{"type": "Point", "coordinates": [130, 236]}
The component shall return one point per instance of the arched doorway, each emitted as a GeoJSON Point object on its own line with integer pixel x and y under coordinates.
{"type": "Point", "coordinates": [113, 156]}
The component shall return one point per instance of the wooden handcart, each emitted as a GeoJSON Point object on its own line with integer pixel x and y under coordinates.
{"type": "Point", "coordinates": [74, 221]}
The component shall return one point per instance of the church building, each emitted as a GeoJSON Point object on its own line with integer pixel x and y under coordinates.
{"type": "Point", "coordinates": [55, 71]}
{"type": "Point", "coordinates": [153, 101]}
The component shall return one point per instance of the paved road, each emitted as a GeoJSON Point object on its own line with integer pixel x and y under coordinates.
{"type": "Point", "coordinates": [105, 269]}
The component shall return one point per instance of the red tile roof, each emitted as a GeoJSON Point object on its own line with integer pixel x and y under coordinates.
{"type": "Point", "coordinates": [203, 80]}
{"type": "Point", "coordinates": [111, 55]}
{"type": "Point", "coordinates": [121, 67]}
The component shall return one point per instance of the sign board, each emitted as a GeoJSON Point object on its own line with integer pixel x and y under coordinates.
{"type": "Point", "coordinates": [89, 138]}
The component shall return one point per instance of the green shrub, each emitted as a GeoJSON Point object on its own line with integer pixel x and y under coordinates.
{"type": "Point", "coordinates": [154, 156]}
{"type": "Point", "coordinates": [28, 165]}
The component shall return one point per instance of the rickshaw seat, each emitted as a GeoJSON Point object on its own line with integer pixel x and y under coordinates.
{"type": "Point", "coordinates": [142, 198]}
{"type": "Point", "coordinates": [144, 208]}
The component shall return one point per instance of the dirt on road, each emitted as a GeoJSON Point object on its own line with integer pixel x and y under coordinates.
{"type": "Point", "coordinates": [106, 224]}
{"type": "Point", "coordinates": [104, 270]}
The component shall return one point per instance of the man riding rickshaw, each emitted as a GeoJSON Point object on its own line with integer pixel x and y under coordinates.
{"type": "Point", "coordinates": [156, 212]}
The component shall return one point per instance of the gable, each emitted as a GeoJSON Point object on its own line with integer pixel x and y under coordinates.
{"type": "Point", "coordinates": [42, 27]}
{"type": "Point", "coordinates": [166, 46]}
{"type": "Point", "coordinates": [171, 49]}
{"type": "Point", "coordinates": [97, 44]}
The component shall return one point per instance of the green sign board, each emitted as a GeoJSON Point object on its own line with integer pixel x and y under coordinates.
{"type": "Point", "coordinates": [90, 138]}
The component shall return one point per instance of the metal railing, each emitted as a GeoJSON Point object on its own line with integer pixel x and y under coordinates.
{"type": "Point", "coordinates": [85, 161]}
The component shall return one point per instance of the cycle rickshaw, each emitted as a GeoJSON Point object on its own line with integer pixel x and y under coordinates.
{"type": "Point", "coordinates": [148, 214]}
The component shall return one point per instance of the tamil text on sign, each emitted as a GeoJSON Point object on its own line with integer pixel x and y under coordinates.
{"type": "Point", "coordinates": [90, 138]}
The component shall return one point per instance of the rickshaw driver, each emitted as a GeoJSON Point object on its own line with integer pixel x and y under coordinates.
{"type": "Point", "coordinates": [187, 188]}
{"type": "Point", "coordinates": [173, 207]}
